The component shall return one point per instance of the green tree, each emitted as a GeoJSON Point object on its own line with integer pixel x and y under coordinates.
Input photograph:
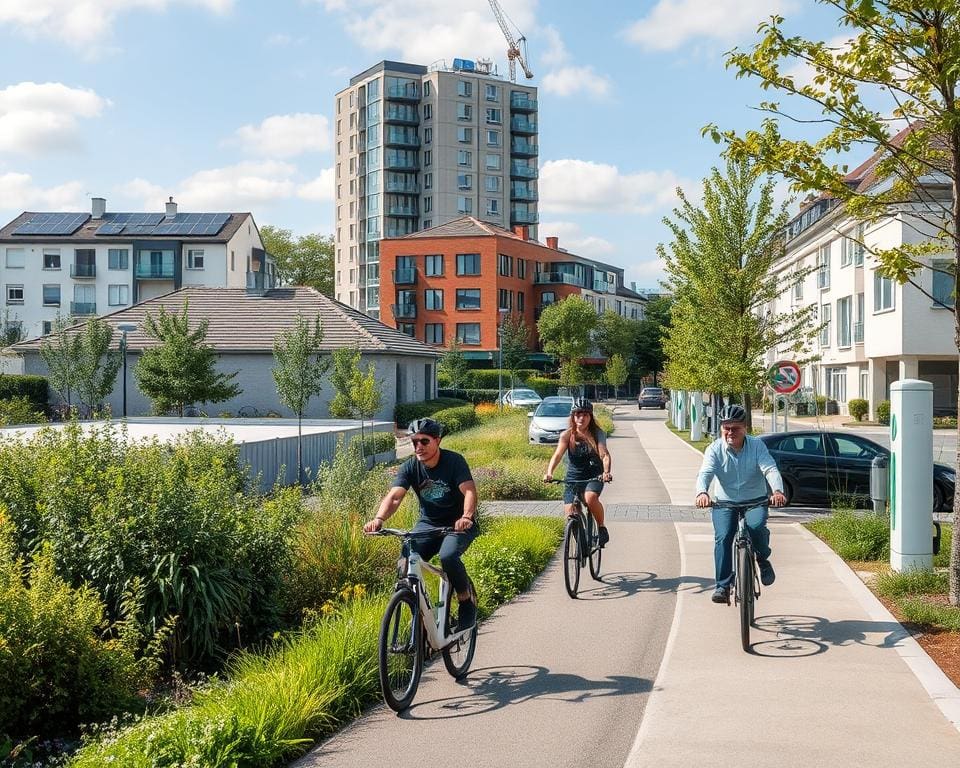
{"type": "Point", "coordinates": [62, 353]}
{"type": "Point", "coordinates": [181, 369]}
{"type": "Point", "coordinates": [648, 352]}
{"type": "Point", "coordinates": [898, 68]}
{"type": "Point", "coordinates": [303, 260]}
{"type": "Point", "coordinates": [719, 267]}
{"type": "Point", "coordinates": [97, 367]}
{"type": "Point", "coordinates": [366, 394]}
{"type": "Point", "coordinates": [514, 345]}
{"type": "Point", "coordinates": [11, 330]}
{"type": "Point", "coordinates": [616, 373]}
{"type": "Point", "coordinates": [616, 335]}
{"type": "Point", "coordinates": [565, 330]}
{"type": "Point", "coordinates": [298, 371]}
{"type": "Point", "coordinates": [345, 363]}
{"type": "Point", "coordinates": [453, 364]}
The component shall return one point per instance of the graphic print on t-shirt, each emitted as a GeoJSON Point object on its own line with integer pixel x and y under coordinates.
{"type": "Point", "coordinates": [433, 490]}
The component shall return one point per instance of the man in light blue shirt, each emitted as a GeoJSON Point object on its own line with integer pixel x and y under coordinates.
{"type": "Point", "coordinates": [743, 469]}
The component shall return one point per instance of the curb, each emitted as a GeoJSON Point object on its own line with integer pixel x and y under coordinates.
{"type": "Point", "coordinates": [939, 687]}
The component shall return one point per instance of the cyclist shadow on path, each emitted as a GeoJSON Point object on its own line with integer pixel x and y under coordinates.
{"type": "Point", "coordinates": [491, 688]}
{"type": "Point", "coordinates": [614, 586]}
{"type": "Point", "coordinates": [796, 635]}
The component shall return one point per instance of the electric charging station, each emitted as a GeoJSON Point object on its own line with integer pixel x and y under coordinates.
{"type": "Point", "coordinates": [696, 416]}
{"type": "Point", "coordinates": [911, 475]}
{"type": "Point", "coordinates": [680, 412]}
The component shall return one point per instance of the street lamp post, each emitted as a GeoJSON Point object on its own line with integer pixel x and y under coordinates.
{"type": "Point", "coordinates": [124, 329]}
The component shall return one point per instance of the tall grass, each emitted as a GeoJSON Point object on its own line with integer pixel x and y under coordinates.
{"type": "Point", "coordinates": [855, 536]}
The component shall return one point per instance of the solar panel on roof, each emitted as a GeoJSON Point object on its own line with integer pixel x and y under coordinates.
{"type": "Point", "coordinates": [52, 224]}
{"type": "Point", "coordinates": [110, 228]}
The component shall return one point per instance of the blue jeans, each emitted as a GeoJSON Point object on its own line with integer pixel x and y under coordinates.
{"type": "Point", "coordinates": [450, 548]}
{"type": "Point", "coordinates": [725, 528]}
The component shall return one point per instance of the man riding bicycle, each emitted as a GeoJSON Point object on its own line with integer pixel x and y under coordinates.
{"type": "Point", "coordinates": [448, 498]}
{"type": "Point", "coordinates": [743, 468]}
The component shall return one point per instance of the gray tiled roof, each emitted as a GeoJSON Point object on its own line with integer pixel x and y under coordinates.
{"type": "Point", "coordinates": [465, 226]}
{"type": "Point", "coordinates": [87, 232]}
{"type": "Point", "coordinates": [240, 322]}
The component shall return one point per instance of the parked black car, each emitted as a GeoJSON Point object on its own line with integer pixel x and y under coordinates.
{"type": "Point", "coordinates": [652, 397]}
{"type": "Point", "coordinates": [817, 467]}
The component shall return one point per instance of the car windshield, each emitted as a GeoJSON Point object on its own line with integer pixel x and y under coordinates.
{"type": "Point", "coordinates": [652, 392]}
{"type": "Point", "coordinates": [526, 394]}
{"type": "Point", "coordinates": [554, 409]}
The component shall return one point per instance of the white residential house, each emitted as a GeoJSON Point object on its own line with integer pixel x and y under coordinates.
{"type": "Point", "coordinates": [876, 331]}
{"type": "Point", "coordinates": [84, 264]}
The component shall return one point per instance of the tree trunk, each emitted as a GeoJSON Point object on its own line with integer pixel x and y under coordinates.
{"type": "Point", "coordinates": [300, 448]}
{"type": "Point", "coordinates": [747, 406]}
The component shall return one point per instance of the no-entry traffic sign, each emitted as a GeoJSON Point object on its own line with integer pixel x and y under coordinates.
{"type": "Point", "coordinates": [784, 377]}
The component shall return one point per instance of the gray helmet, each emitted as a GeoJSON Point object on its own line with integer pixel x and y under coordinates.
{"type": "Point", "coordinates": [582, 404]}
{"type": "Point", "coordinates": [425, 427]}
{"type": "Point", "coordinates": [733, 412]}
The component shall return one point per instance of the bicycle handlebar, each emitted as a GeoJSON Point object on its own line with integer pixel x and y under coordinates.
{"type": "Point", "coordinates": [762, 501]}
{"type": "Point", "coordinates": [597, 479]}
{"type": "Point", "coordinates": [401, 534]}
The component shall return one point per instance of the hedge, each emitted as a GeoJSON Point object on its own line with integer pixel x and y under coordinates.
{"type": "Point", "coordinates": [543, 386]}
{"type": "Point", "coordinates": [404, 413]}
{"type": "Point", "coordinates": [457, 419]}
{"type": "Point", "coordinates": [474, 396]}
{"type": "Point", "coordinates": [34, 388]}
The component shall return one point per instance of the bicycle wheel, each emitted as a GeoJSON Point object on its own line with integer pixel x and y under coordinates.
{"type": "Point", "coordinates": [594, 552]}
{"type": "Point", "coordinates": [744, 586]}
{"type": "Point", "coordinates": [458, 657]}
{"type": "Point", "coordinates": [571, 556]}
{"type": "Point", "coordinates": [401, 650]}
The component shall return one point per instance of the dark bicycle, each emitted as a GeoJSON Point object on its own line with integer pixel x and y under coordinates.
{"type": "Point", "coordinates": [581, 543]}
{"type": "Point", "coordinates": [746, 579]}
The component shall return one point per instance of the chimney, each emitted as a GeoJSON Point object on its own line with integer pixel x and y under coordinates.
{"type": "Point", "coordinates": [98, 207]}
{"type": "Point", "coordinates": [553, 242]}
{"type": "Point", "coordinates": [633, 287]}
{"type": "Point", "coordinates": [171, 209]}
{"type": "Point", "coordinates": [521, 231]}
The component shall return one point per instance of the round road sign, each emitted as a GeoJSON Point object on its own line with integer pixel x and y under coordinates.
{"type": "Point", "coordinates": [784, 377]}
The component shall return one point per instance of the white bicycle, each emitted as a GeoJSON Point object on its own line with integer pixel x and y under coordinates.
{"type": "Point", "coordinates": [414, 628]}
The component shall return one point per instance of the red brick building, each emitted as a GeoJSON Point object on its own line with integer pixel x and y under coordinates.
{"type": "Point", "coordinates": [458, 279]}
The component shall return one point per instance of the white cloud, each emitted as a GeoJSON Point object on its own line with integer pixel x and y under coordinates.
{"type": "Point", "coordinates": [672, 23]}
{"type": "Point", "coordinates": [286, 135]}
{"type": "Point", "coordinates": [18, 193]}
{"type": "Point", "coordinates": [82, 22]}
{"type": "Point", "coordinates": [580, 185]}
{"type": "Point", "coordinates": [646, 274]}
{"type": "Point", "coordinates": [571, 237]}
{"type": "Point", "coordinates": [43, 117]}
{"type": "Point", "coordinates": [319, 189]}
{"type": "Point", "coordinates": [567, 81]}
{"type": "Point", "coordinates": [555, 52]}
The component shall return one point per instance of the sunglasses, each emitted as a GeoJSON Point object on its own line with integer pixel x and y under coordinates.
{"type": "Point", "coordinates": [420, 440]}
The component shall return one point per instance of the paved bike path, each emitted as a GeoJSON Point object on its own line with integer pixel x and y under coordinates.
{"type": "Point", "coordinates": [555, 682]}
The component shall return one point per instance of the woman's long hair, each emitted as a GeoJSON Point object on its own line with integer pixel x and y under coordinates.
{"type": "Point", "coordinates": [592, 436]}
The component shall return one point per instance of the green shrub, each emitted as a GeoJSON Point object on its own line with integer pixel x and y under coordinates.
{"type": "Point", "coordinates": [855, 536]}
{"type": "Point", "coordinates": [920, 611]}
{"type": "Point", "coordinates": [858, 408]}
{"type": "Point", "coordinates": [19, 410]}
{"type": "Point", "coordinates": [883, 411]}
{"type": "Point", "coordinates": [61, 665]}
{"type": "Point", "coordinates": [945, 422]}
{"type": "Point", "coordinates": [767, 405]}
{"type": "Point", "coordinates": [404, 413]}
{"type": "Point", "coordinates": [821, 404]}
{"type": "Point", "coordinates": [475, 396]}
{"type": "Point", "coordinates": [942, 560]}
{"type": "Point", "coordinates": [457, 419]}
{"type": "Point", "coordinates": [34, 388]}
{"type": "Point", "coordinates": [543, 386]}
{"type": "Point", "coordinates": [913, 582]}
{"type": "Point", "coordinates": [516, 480]}
{"type": "Point", "coordinates": [378, 442]}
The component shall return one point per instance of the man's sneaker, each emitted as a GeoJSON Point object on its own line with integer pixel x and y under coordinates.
{"type": "Point", "coordinates": [468, 615]}
{"type": "Point", "coordinates": [767, 576]}
{"type": "Point", "coordinates": [602, 536]}
{"type": "Point", "coordinates": [721, 595]}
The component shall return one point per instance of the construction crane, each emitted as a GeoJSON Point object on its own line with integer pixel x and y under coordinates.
{"type": "Point", "coordinates": [514, 54]}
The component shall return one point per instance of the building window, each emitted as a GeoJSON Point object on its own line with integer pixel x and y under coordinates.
{"type": "Point", "coordinates": [468, 333]}
{"type": "Point", "coordinates": [16, 258]}
{"type": "Point", "coordinates": [468, 298]}
{"type": "Point", "coordinates": [407, 329]}
{"type": "Point", "coordinates": [493, 138]}
{"type": "Point", "coordinates": [464, 181]}
{"type": "Point", "coordinates": [825, 328]}
{"type": "Point", "coordinates": [433, 265]}
{"type": "Point", "coordinates": [494, 116]}
{"type": "Point", "coordinates": [797, 290]}
{"type": "Point", "coordinates": [505, 265]}
{"type": "Point", "coordinates": [51, 295]}
{"type": "Point", "coordinates": [464, 205]}
{"type": "Point", "coordinates": [504, 299]}
{"type": "Point", "coordinates": [464, 88]}
{"type": "Point", "coordinates": [427, 111]}
{"type": "Point", "coordinates": [522, 269]}
{"type": "Point", "coordinates": [858, 321]}
{"type": "Point", "coordinates": [493, 162]}
{"type": "Point", "coordinates": [883, 294]}
{"type": "Point", "coordinates": [844, 313]}
{"type": "Point", "coordinates": [47, 327]}
{"type": "Point", "coordinates": [433, 333]}
{"type": "Point", "coordinates": [427, 135]}
{"type": "Point", "coordinates": [493, 183]}
{"type": "Point", "coordinates": [520, 301]}
{"type": "Point", "coordinates": [493, 207]}
{"type": "Point", "coordinates": [464, 112]}
{"type": "Point", "coordinates": [468, 264]}
{"type": "Point", "coordinates": [428, 204]}
{"type": "Point", "coordinates": [858, 246]}
{"type": "Point", "coordinates": [428, 157]}
{"type": "Point", "coordinates": [837, 384]}
{"type": "Point", "coordinates": [14, 294]}
{"type": "Point", "coordinates": [464, 157]}
{"type": "Point", "coordinates": [465, 135]}
{"type": "Point", "coordinates": [118, 295]}
{"type": "Point", "coordinates": [427, 223]}
{"type": "Point", "coordinates": [426, 88]}
{"type": "Point", "coordinates": [433, 299]}
{"type": "Point", "coordinates": [944, 283]}
{"type": "Point", "coordinates": [195, 257]}
{"type": "Point", "coordinates": [51, 258]}
{"type": "Point", "coordinates": [428, 181]}
{"type": "Point", "coordinates": [492, 92]}
{"type": "Point", "coordinates": [823, 266]}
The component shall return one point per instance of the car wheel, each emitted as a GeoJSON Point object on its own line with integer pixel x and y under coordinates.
{"type": "Point", "coordinates": [937, 498]}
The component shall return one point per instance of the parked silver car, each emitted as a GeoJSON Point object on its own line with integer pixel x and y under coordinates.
{"type": "Point", "coordinates": [550, 419]}
{"type": "Point", "coordinates": [521, 398]}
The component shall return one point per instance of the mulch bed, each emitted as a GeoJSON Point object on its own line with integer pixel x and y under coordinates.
{"type": "Point", "coordinates": [941, 645]}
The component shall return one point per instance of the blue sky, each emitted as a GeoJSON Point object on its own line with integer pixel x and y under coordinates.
{"type": "Point", "coordinates": [227, 104]}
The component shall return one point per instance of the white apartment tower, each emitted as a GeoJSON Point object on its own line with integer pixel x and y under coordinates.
{"type": "Point", "coordinates": [420, 146]}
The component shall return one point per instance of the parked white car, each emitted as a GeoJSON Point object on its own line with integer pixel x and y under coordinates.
{"type": "Point", "coordinates": [521, 398]}
{"type": "Point", "coordinates": [550, 419]}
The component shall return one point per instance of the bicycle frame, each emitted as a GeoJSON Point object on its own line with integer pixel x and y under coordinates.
{"type": "Point", "coordinates": [434, 627]}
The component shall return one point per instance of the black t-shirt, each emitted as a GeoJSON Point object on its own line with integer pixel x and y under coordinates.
{"type": "Point", "coordinates": [584, 463]}
{"type": "Point", "coordinates": [437, 488]}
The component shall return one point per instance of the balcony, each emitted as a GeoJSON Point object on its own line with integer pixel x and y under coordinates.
{"type": "Point", "coordinates": [401, 139]}
{"type": "Point", "coordinates": [858, 333]}
{"type": "Point", "coordinates": [402, 93]}
{"type": "Point", "coordinates": [260, 282]}
{"type": "Point", "coordinates": [82, 308]}
{"type": "Point", "coordinates": [399, 163]}
{"type": "Point", "coordinates": [83, 270]}
{"type": "Point", "coordinates": [522, 148]}
{"type": "Point", "coordinates": [523, 171]}
{"type": "Point", "coordinates": [405, 276]}
{"type": "Point", "coordinates": [150, 271]}
{"type": "Point", "coordinates": [601, 286]}
{"type": "Point", "coordinates": [395, 230]}
{"type": "Point", "coordinates": [523, 217]}
{"type": "Point", "coordinates": [402, 188]}
{"type": "Point", "coordinates": [546, 278]}
{"type": "Point", "coordinates": [402, 115]}
{"type": "Point", "coordinates": [409, 211]}
{"type": "Point", "coordinates": [404, 311]}
{"type": "Point", "coordinates": [523, 125]}
{"type": "Point", "coordinates": [520, 102]}
{"type": "Point", "coordinates": [520, 193]}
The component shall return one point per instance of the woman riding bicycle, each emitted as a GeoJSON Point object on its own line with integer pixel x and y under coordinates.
{"type": "Point", "coordinates": [585, 446]}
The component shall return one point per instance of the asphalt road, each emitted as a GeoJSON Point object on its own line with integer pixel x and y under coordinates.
{"type": "Point", "coordinates": [555, 682]}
